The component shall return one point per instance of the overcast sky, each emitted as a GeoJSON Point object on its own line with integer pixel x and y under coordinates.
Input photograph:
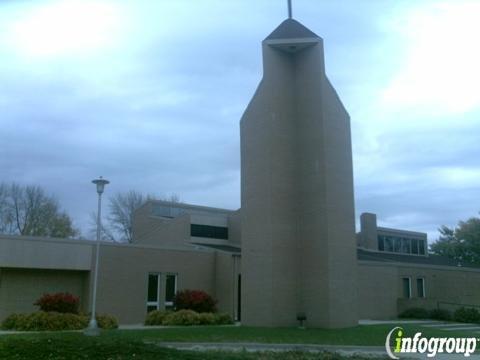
{"type": "Point", "coordinates": [149, 94]}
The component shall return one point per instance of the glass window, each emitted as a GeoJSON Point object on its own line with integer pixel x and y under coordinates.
{"type": "Point", "coordinates": [381, 240]}
{"type": "Point", "coordinates": [398, 244]}
{"type": "Point", "coordinates": [167, 211]}
{"type": "Point", "coordinates": [388, 244]}
{"type": "Point", "coordinates": [152, 287]}
{"type": "Point", "coordinates": [405, 246]}
{"type": "Point", "coordinates": [406, 288]}
{"type": "Point", "coordinates": [421, 287]}
{"type": "Point", "coordinates": [414, 246]}
{"type": "Point", "coordinates": [152, 292]}
{"type": "Point", "coordinates": [207, 231]}
{"type": "Point", "coordinates": [170, 290]}
{"type": "Point", "coordinates": [421, 247]}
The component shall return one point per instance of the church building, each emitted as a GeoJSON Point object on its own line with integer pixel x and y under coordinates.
{"type": "Point", "coordinates": [290, 252]}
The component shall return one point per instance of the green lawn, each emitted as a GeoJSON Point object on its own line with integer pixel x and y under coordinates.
{"type": "Point", "coordinates": [373, 335]}
{"type": "Point", "coordinates": [137, 344]}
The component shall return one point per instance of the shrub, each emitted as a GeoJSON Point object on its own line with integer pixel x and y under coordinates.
{"type": "Point", "coordinates": [59, 302]}
{"type": "Point", "coordinates": [440, 314]}
{"type": "Point", "coordinates": [467, 315]}
{"type": "Point", "coordinates": [182, 317]}
{"type": "Point", "coordinates": [13, 321]}
{"type": "Point", "coordinates": [106, 322]}
{"type": "Point", "coordinates": [196, 300]}
{"type": "Point", "coordinates": [207, 319]}
{"type": "Point", "coordinates": [223, 319]}
{"type": "Point", "coordinates": [156, 317]}
{"type": "Point", "coordinates": [189, 317]}
{"type": "Point", "coordinates": [415, 313]}
{"type": "Point", "coordinates": [42, 321]}
{"type": "Point", "coordinates": [52, 321]}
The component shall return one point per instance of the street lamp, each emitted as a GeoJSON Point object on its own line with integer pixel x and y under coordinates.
{"type": "Point", "coordinates": [93, 329]}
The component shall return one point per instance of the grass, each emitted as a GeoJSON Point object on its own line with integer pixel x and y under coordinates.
{"type": "Point", "coordinates": [79, 347]}
{"type": "Point", "coordinates": [372, 335]}
{"type": "Point", "coordinates": [137, 344]}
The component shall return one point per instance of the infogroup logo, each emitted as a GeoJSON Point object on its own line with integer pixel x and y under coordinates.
{"type": "Point", "coordinates": [430, 346]}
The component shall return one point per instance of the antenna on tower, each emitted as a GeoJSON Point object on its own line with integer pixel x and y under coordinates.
{"type": "Point", "coordinates": [289, 9]}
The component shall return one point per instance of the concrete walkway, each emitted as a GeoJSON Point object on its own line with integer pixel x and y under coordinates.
{"type": "Point", "coordinates": [374, 352]}
{"type": "Point", "coordinates": [399, 322]}
{"type": "Point", "coordinates": [432, 324]}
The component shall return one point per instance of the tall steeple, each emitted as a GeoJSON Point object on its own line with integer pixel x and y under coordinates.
{"type": "Point", "coordinates": [298, 232]}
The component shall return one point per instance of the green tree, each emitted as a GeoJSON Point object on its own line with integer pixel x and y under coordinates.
{"type": "Point", "coordinates": [28, 210]}
{"type": "Point", "coordinates": [461, 243]}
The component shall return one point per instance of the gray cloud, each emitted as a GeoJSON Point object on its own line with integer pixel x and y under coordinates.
{"type": "Point", "coordinates": [159, 110]}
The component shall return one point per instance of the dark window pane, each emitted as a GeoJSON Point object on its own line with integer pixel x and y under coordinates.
{"type": "Point", "coordinates": [414, 246]}
{"type": "Point", "coordinates": [406, 288]}
{"type": "Point", "coordinates": [170, 285]}
{"type": "Point", "coordinates": [420, 288]}
{"type": "Point", "coordinates": [388, 244]}
{"type": "Point", "coordinates": [167, 211]}
{"type": "Point", "coordinates": [207, 231]}
{"type": "Point", "coordinates": [405, 246]}
{"type": "Point", "coordinates": [380, 242]}
{"type": "Point", "coordinates": [421, 247]}
{"type": "Point", "coordinates": [151, 308]}
{"type": "Point", "coordinates": [152, 288]}
{"type": "Point", "coordinates": [398, 244]}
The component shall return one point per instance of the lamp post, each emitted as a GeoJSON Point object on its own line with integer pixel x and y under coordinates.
{"type": "Point", "coordinates": [93, 329]}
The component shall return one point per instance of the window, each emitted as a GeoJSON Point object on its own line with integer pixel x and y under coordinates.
{"type": "Point", "coordinates": [414, 246]}
{"type": "Point", "coordinates": [167, 211]}
{"type": "Point", "coordinates": [207, 231]}
{"type": "Point", "coordinates": [405, 246]}
{"type": "Point", "coordinates": [398, 244]}
{"type": "Point", "coordinates": [421, 247]}
{"type": "Point", "coordinates": [421, 287]}
{"type": "Point", "coordinates": [381, 240]}
{"type": "Point", "coordinates": [153, 302]}
{"type": "Point", "coordinates": [401, 245]}
{"type": "Point", "coordinates": [388, 244]}
{"type": "Point", "coordinates": [170, 290]}
{"type": "Point", "coordinates": [407, 288]}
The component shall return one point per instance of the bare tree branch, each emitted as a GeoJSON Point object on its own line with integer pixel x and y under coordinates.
{"type": "Point", "coordinates": [122, 207]}
{"type": "Point", "coordinates": [28, 210]}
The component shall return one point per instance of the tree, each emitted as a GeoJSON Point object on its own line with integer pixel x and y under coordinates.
{"type": "Point", "coordinates": [461, 243]}
{"type": "Point", "coordinates": [122, 207]}
{"type": "Point", "coordinates": [6, 214]}
{"type": "Point", "coordinates": [105, 233]}
{"type": "Point", "coordinates": [28, 210]}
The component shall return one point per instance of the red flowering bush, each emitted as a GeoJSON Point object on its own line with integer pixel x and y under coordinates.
{"type": "Point", "coordinates": [59, 302]}
{"type": "Point", "coordinates": [196, 300]}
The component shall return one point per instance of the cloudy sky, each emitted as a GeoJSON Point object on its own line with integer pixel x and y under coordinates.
{"type": "Point", "coordinates": [149, 94]}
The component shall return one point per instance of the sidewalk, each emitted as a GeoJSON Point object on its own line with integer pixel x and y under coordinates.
{"type": "Point", "coordinates": [376, 352]}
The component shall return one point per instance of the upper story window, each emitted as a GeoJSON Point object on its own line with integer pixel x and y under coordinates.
{"type": "Point", "coordinates": [401, 245]}
{"type": "Point", "coordinates": [207, 231]}
{"type": "Point", "coordinates": [167, 211]}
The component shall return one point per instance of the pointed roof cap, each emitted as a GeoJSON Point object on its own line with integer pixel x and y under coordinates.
{"type": "Point", "coordinates": [291, 29]}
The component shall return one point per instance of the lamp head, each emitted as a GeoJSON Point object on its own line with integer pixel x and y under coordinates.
{"type": "Point", "coordinates": [100, 182]}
